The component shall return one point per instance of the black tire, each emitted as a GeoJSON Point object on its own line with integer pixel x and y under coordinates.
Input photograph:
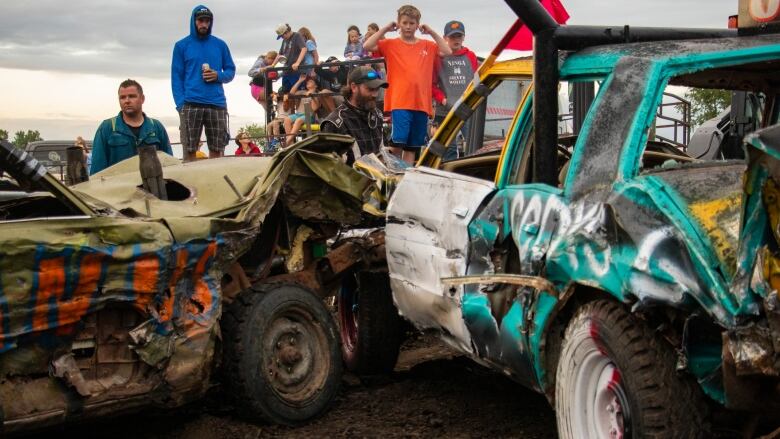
{"type": "Point", "coordinates": [371, 329]}
{"type": "Point", "coordinates": [615, 373]}
{"type": "Point", "coordinates": [282, 359]}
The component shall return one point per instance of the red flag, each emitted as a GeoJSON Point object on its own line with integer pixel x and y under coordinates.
{"type": "Point", "coordinates": [523, 40]}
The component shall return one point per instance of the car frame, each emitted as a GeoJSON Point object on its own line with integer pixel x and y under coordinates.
{"type": "Point", "coordinates": [596, 281]}
{"type": "Point", "coordinates": [112, 299]}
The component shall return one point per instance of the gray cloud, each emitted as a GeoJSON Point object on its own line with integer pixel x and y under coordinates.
{"type": "Point", "coordinates": [135, 37]}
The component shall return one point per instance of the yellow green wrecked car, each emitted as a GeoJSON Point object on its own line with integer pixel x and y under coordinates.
{"type": "Point", "coordinates": [112, 299]}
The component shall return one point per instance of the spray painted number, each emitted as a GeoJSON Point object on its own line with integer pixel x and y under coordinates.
{"type": "Point", "coordinates": [764, 10]}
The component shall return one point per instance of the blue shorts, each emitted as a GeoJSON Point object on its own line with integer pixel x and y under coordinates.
{"type": "Point", "coordinates": [410, 128]}
{"type": "Point", "coordinates": [295, 116]}
{"type": "Point", "coordinates": [289, 80]}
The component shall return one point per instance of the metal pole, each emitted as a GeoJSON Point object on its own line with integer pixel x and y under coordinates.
{"type": "Point", "coordinates": [477, 131]}
{"type": "Point", "coordinates": [584, 93]}
{"type": "Point", "coordinates": [307, 114]}
{"type": "Point", "coordinates": [76, 166]}
{"type": "Point", "coordinates": [575, 37]}
{"type": "Point", "coordinates": [151, 171]}
{"type": "Point", "coordinates": [545, 152]}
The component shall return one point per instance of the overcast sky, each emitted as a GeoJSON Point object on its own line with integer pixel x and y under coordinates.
{"type": "Point", "coordinates": [61, 61]}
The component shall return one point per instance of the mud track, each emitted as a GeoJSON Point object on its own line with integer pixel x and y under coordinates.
{"type": "Point", "coordinates": [432, 393]}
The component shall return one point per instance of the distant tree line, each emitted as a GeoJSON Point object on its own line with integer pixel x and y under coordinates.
{"type": "Point", "coordinates": [256, 132]}
{"type": "Point", "coordinates": [22, 138]}
{"type": "Point", "coordinates": [707, 103]}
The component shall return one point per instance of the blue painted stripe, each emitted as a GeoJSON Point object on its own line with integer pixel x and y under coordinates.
{"type": "Point", "coordinates": [5, 314]}
{"type": "Point", "coordinates": [38, 257]}
{"type": "Point", "coordinates": [130, 293]}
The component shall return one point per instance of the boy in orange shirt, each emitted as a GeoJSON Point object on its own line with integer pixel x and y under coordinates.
{"type": "Point", "coordinates": [410, 62]}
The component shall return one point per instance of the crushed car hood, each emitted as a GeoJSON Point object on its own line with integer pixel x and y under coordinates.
{"type": "Point", "coordinates": [198, 188]}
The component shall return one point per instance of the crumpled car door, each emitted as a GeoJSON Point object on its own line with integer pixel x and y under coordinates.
{"type": "Point", "coordinates": [427, 239]}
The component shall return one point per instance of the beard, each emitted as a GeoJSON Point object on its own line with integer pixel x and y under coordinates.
{"type": "Point", "coordinates": [365, 102]}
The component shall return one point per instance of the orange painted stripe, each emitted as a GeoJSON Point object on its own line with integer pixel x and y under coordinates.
{"type": "Point", "coordinates": [202, 293]}
{"type": "Point", "coordinates": [51, 283]}
{"type": "Point", "coordinates": [145, 277]}
{"type": "Point", "coordinates": [166, 309]}
{"type": "Point", "coordinates": [89, 276]}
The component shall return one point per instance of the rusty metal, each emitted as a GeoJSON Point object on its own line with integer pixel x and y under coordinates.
{"type": "Point", "coordinates": [233, 188]}
{"type": "Point", "coordinates": [151, 171]}
{"type": "Point", "coordinates": [298, 363]}
{"type": "Point", "coordinates": [751, 393]}
{"type": "Point", "coordinates": [324, 274]}
{"type": "Point", "coordinates": [538, 283]}
{"type": "Point", "coordinates": [236, 283]}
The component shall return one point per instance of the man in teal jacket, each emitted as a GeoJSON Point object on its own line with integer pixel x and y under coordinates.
{"type": "Point", "coordinates": [117, 138]}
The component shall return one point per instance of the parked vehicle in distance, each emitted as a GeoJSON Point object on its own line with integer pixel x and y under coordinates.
{"type": "Point", "coordinates": [52, 154]}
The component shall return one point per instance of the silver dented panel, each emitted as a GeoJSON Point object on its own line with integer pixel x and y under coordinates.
{"type": "Point", "coordinates": [426, 240]}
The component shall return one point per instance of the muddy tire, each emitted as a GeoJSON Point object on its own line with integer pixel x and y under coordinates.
{"type": "Point", "coordinates": [616, 378]}
{"type": "Point", "coordinates": [282, 358]}
{"type": "Point", "coordinates": [371, 329]}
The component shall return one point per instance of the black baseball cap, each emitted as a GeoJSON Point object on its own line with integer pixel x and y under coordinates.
{"type": "Point", "coordinates": [454, 27]}
{"type": "Point", "coordinates": [366, 75]}
{"type": "Point", "coordinates": [203, 12]}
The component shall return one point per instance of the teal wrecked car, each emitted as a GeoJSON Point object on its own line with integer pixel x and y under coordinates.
{"type": "Point", "coordinates": [631, 283]}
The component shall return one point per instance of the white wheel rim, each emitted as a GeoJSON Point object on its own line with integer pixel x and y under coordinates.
{"type": "Point", "coordinates": [595, 402]}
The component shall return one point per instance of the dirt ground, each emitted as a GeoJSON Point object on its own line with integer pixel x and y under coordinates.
{"type": "Point", "coordinates": [432, 393]}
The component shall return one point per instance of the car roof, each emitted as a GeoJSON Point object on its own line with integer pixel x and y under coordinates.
{"type": "Point", "coordinates": [52, 144]}
{"type": "Point", "coordinates": [523, 66]}
{"type": "Point", "coordinates": [601, 59]}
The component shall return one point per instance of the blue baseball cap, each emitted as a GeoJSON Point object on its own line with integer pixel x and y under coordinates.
{"type": "Point", "coordinates": [454, 27]}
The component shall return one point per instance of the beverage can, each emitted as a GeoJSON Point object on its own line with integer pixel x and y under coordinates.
{"type": "Point", "coordinates": [205, 66]}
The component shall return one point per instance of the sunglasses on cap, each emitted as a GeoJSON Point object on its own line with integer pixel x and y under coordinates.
{"type": "Point", "coordinates": [368, 76]}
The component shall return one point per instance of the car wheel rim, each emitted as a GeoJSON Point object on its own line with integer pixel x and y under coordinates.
{"type": "Point", "coordinates": [600, 405]}
{"type": "Point", "coordinates": [296, 349]}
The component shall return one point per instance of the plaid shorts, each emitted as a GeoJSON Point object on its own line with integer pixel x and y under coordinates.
{"type": "Point", "coordinates": [193, 118]}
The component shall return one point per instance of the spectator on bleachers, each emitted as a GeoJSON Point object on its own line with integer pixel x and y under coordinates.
{"type": "Point", "coordinates": [371, 29]}
{"type": "Point", "coordinates": [451, 75]}
{"type": "Point", "coordinates": [257, 73]}
{"type": "Point", "coordinates": [354, 48]}
{"type": "Point", "coordinates": [292, 51]}
{"type": "Point", "coordinates": [245, 145]}
{"type": "Point", "coordinates": [312, 56]}
{"type": "Point", "coordinates": [410, 63]}
{"type": "Point", "coordinates": [276, 125]}
{"type": "Point", "coordinates": [296, 98]}
{"type": "Point", "coordinates": [331, 79]}
{"type": "Point", "coordinates": [353, 27]}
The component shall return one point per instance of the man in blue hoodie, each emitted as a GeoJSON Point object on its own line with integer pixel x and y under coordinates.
{"type": "Point", "coordinates": [201, 64]}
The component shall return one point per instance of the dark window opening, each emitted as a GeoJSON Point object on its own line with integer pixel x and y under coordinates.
{"type": "Point", "coordinates": [175, 190]}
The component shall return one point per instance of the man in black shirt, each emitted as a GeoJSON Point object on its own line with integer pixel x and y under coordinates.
{"type": "Point", "coordinates": [358, 116]}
